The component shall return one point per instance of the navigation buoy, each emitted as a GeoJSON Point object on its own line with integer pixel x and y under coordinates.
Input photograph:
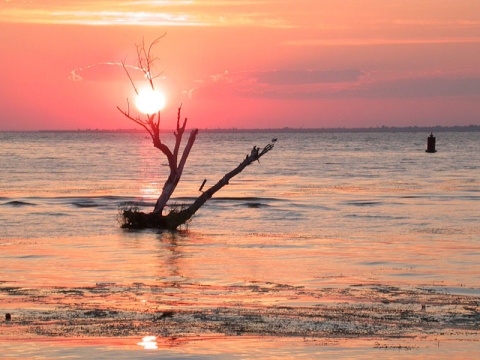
{"type": "Point", "coordinates": [431, 144]}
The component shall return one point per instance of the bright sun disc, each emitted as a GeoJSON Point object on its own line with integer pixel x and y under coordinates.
{"type": "Point", "coordinates": [150, 101]}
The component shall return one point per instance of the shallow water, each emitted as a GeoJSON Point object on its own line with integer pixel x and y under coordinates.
{"type": "Point", "coordinates": [322, 210]}
{"type": "Point", "coordinates": [219, 348]}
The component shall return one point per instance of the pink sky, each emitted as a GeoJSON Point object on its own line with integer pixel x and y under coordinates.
{"type": "Point", "coordinates": [243, 63]}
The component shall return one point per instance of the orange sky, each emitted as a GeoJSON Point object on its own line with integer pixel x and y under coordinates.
{"type": "Point", "coordinates": [243, 63]}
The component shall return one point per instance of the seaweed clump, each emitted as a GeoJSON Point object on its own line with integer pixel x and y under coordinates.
{"type": "Point", "coordinates": [131, 217]}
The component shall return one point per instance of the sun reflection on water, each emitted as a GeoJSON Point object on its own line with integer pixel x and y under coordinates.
{"type": "Point", "coordinates": [150, 190]}
{"type": "Point", "coordinates": [149, 343]}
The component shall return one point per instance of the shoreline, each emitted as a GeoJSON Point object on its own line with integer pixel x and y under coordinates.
{"type": "Point", "coordinates": [362, 311]}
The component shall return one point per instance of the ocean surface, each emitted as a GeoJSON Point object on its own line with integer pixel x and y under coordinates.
{"type": "Point", "coordinates": [319, 210]}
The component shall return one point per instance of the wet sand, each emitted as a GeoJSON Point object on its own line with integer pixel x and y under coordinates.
{"type": "Point", "coordinates": [384, 317]}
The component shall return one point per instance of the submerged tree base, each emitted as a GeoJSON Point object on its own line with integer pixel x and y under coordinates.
{"type": "Point", "coordinates": [132, 218]}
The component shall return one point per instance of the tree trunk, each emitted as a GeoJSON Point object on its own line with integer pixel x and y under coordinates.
{"type": "Point", "coordinates": [175, 170]}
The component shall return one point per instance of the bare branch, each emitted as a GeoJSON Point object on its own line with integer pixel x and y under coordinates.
{"type": "Point", "coordinates": [254, 155]}
{"type": "Point", "coordinates": [128, 74]}
{"type": "Point", "coordinates": [178, 134]}
{"type": "Point", "coordinates": [138, 121]}
{"type": "Point", "coordinates": [154, 42]}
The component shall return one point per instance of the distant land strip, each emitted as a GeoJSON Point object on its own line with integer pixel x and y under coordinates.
{"type": "Point", "coordinates": [379, 129]}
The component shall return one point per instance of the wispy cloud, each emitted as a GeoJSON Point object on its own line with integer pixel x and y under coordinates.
{"type": "Point", "coordinates": [277, 83]}
{"type": "Point", "coordinates": [143, 13]}
{"type": "Point", "coordinates": [427, 87]}
{"type": "Point", "coordinates": [75, 74]}
{"type": "Point", "coordinates": [381, 41]}
{"type": "Point", "coordinates": [103, 17]}
{"type": "Point", "coordinates": [109, 71]}
{"type": "Point", "coordinates": [394, 89]}
{"type": "Point", "coordinates": [437, 23]}
{"type": "Point", "coordinates": [299, 77]}
{"type": "Point", "coordinates": [288, 76]}
{"type": "Point", "coordinates": [335, 84]}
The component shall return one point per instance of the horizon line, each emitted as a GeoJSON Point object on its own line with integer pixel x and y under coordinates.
{"type": "Point", "coordinates": [283, 129]}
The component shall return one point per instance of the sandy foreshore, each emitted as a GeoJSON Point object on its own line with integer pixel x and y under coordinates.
{"type": "Point", "coordinates": [361, 311]}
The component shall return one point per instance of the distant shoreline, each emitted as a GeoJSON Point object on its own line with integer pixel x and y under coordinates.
{"type": "Point", "coordinates": [381, 129]}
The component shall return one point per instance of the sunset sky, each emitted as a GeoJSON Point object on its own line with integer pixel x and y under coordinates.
{"type": "Point", "coordinates": [243, 63]}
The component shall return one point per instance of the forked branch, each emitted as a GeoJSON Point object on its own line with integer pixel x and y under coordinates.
{"type": "Point", "coordinates": [255, 155]}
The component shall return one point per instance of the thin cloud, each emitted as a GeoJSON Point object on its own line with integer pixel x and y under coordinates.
{"type": "Point", "coordinates": [420, 88]}
{"type": "Point", "coordinates": [77, 73]}
{"type": "Point", "coordinates": [277, 83]}
{"type": "Point", "coordinates": [82, 17]}
{"type": "Point", "coordinates": [299, 77]}
{"type": "Point", "coordinates": [394, 89]}
{"type": "Point", "coordinates": [379, 41]}
{"type": "Point", "coordinates": [288, 76]}
{"type": "Point", "coordinates": [144, 13]}
{"type": "Point", "coordinates": [438, 23]}
{"type": "Point", "coordinates": [346, 84]}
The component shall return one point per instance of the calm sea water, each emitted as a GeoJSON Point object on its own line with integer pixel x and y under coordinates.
{"type": "Point", "coordinates": [321, 209]}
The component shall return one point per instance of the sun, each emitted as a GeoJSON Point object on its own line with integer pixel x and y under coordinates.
{"type": "Point", "coordinates": [150, 101]}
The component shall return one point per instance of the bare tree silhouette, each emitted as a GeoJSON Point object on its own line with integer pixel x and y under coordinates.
{"type": "Point", "coordinates": [131, 217]}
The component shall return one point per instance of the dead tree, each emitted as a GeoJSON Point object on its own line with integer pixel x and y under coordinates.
{"type": "Point", "coordinates": [131, 217]}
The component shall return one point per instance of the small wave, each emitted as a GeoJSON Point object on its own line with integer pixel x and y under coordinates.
{"type": "Point", "coordinates": [85, 204]}
{"type": "Point", "coordinates": [363, 203]}
{"type": "Point", "coordinates": [442, 231]}
{"type": "Point", "coordinates": [54, 214]}
{"type": "Point", "coordinates": [251, 199]}
{"type": "Point", "coordinates": [33, 256]}
{"type": "Point", "coordinates": [373, 263]}
{"type": "Point", "coordinates": [18, 203]}
{"type": "Point", "coordinates": [138, 203]}
{"type": "Point", "coordinates": [380, 217]}
{"type": "Point", "coordinates": [183, 198]}
{"type": "Point", "coordinates": [254, 205]}
{"type": "Point", "coordinates": [272, 246]}
{"type": "Point", "coordinates": [103, 201]}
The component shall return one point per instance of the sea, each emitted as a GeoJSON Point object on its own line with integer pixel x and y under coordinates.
{"type": "Point", "coordinates": [321, 210]}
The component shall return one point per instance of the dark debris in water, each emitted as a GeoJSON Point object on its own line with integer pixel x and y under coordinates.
{"type": "Point", "coordinates": [97, 313]}
{"type": "Point", "coordinates": [359, 311]}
